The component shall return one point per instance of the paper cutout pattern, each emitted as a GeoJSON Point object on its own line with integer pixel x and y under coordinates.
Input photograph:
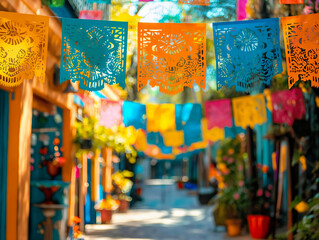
{"type": "Point", "coordinates": [247, 53]}
{"type": "Point", "coordinates": [195, 2]}
{"type": "Point", "coordinates": [291, 1]}
{"type": "Point", "coordinates": [93, 52]}
{"type": "Point", "coordinates": [301, 35]}
{"type": "Point", "coordinates": [173, 138]}
{"type": "Point", "coordinates": [249, 110]}
{"type": "Point", "coordinates": [23, 47]}
{"type": "Point", "coordinates": [288, 105]}
{"type": "Point", "coordinates": [160, 117]}
{"type": "Point", "coordinates": [92, 15]}
{"type": "Point", "coordinates": [134, 114]}
{"type": "Point", "coordinates": [110, 113]}
{"type": "Point", "coordinates": [218, 113]}
{"type": "Point", "coordinates": [171, 56]}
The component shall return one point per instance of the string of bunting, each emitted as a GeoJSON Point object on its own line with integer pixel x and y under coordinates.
{"type": "Point", "coordinates": [170, 55]}
{"type": "Point", "coordinates": [183, 126]}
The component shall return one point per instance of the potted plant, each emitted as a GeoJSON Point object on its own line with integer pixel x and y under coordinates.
{"type": "Point", "coordinates": [230, 201]}
{"type": "Point", "coordinates": [106, 207]}
{"type": "Point", "coordinates": [123, 187]}
{"type": "Point", "coordinates": [124, 203]}
{"type": "Point", "coordinates": [234, 204]}
{"type": "Point", "coordinates": [260, 201]}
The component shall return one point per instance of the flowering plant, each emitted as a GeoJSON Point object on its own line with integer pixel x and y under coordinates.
{"type": "Point", "coordinates": [260, 194]}
{"type": "Point", "coordinates": [107, 204]}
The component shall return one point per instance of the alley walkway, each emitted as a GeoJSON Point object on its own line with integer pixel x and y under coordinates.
{"type": "Point", "coordinates": [165, 214]}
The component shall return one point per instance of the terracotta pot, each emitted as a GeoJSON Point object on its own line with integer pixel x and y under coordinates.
{"type": "Point", "coordinates": [259, 226]}
{"type": "Point", "coordinates": [53, 170]}
{"type": "Point", "coordinates": [233, 227]}
{"type": "Point", "coordinates": [106, 216]}
{"type": "Point", "coordinates": [124, 206]}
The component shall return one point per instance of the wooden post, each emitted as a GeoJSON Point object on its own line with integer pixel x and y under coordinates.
{"type": "Point", "coordinates": [293, 173]}
{"type": "Point", "coordinates": [274, 218]}
{"type": "Point", "coordinates": [83, 190]}
{"type": "Point", "coordinates": [19, 137]}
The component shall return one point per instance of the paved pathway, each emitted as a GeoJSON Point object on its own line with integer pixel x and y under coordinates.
{"type": "Point", "coordinates": [165, 214]}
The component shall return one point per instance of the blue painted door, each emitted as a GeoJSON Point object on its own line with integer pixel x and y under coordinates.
{"type": "Point", "coordinates": [4, 125]}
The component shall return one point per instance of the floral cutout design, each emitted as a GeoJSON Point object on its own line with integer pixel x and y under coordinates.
{"type": "Point", "coordinates": [94, 53]}
{"type": "Point", "coordinates": [249, 110]}
{"type": "Point", "coordinates": [247, 53]}
{"type": "Point", "coordinates": [93, 15]}
{"type": "Point", "coordinates": [171, 56]}
{"type": "Point", "coordinates": [301, 35]}
{"type": "Point", "coordinates": [288, 105]}
{"type": "Point", "coordinates": [195, 2]}
{"type": "Point", "coordinates": [23, 47]}
{"type": "Point", "coordinates": [110, 113]}
{"type": "Point", "coordinates": [218, 113]}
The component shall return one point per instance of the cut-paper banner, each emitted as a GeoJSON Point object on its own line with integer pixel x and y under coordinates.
{"type": "Point", "coordinates": [93, 52]}
{"type": "Point", "coordinates": [195, 2]}
{"type": "Point", "coordinates": [241, 9]}
{"type": "Point", "coordinates": [218, 113]}
{"type": "Point", "coordinates": [212, 135]}
{"type": "Point", "coordinates": [247, 53]}
{"type": "Point", "coordinates": [110, 113]}
{"type": "Point", "coordinates": [160, 117]}
{"type": "Point", "coordinates": [171, 56]}
{"type": "Point", "coordinates": [92, 15]}
{"type": "Point", "coordinates": [249, 110]}
{"type": "Point", "coordinates": [134, 114]}
{"type": "Point", "coordinates": [141, 143]}
{"type": "Point", "coordinates": [301, 35]}
{"type": "Point", "coordinates": [291, 1]}
{"type": "Point", "coordinates": [188, 118]}
{"type": "Point", "coordinates": [173, 138]}
{"type": "Point", "coordinates": [23, 47]}
{"type": "Point", "coordinates": [288, 105]}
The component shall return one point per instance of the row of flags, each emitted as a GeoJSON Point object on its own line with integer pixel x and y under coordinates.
{"type": "Point", "coordinates": [60, 3]}
{"type": "Point", "coordinates": [170, 126]}
{"type": "Point", "coordinates": [171, 56]}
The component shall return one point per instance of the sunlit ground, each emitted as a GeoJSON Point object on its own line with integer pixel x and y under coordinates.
{"type": "Point", "coordinates": [165, 214]}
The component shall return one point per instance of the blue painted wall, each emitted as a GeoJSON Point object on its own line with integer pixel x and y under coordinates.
{"type": "Point", "coordinates": [4, 117]}
{"type": "Point", "coordinates": [39, 174]}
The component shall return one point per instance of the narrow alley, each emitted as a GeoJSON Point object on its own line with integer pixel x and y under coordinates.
{"type": "Point", "coordinates": [165, 214]}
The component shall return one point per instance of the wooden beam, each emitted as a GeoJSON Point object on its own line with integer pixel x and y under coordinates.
{"type": "Point", "coordinates": [18, 193]}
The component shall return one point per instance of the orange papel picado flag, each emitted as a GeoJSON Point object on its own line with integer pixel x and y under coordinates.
{"type": "Point", "coordinates": [23, 47]}
{"type": "Point", "coordinates": [301, 35]}
{"type": "Point", "coordinates": [171, 56]}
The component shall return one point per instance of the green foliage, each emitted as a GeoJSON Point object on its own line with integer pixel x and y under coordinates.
{"type": "Point", "coordinates": [307, 228]}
